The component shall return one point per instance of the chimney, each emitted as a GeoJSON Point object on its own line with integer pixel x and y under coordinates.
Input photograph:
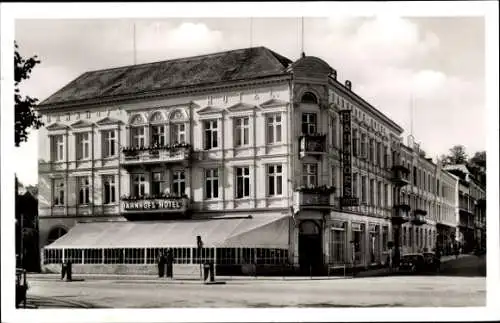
{"type": "Point", "coordinates": [334, 74]}
{"type": "Point", "coordinates": [348, 84]}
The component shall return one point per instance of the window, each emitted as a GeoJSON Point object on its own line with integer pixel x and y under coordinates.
{"type": "Point", "coordinates": [158, 135]}
{"type": "Point", "coordinates": [310, 175]}
{"type": "Point", "coordinates": [138, 185]}
{"type": "Point", "coordinates": [157, 183]}
{"type": "Point", "coordinates": [385, 238]}
{"type": "Point", "coordinates": [355, 142]}
{"type": "Point", "coordinates": [210, 128]}
{"type": "Point", "coordinates": [414, 175]}
{"type": "Point", "coordinates": [241, 131]}
{"type": "Point", "coordinates": [274, 180]}
{"type": "Point", "coordinates": [242, 182]}
{"type": "Point", "coordinates": [88, 114]}
{"type": "Point", "coordinates": [309, 123]}
{"type": "Point", "coordinates": [138, 138]}
{"type": "Point", "coordinates": [212, 183]}
{"type": "Point", "coordinates": [372, 192]}
{"type": "Point", "coordinates": [386, 157]}
{"type": "Point", "coordinates": [179, 183]}
{"type": "Point", "coordinates": [109, 143]}
{"type": "Point", "coordinates": [57, 148]}
{"type": "Point", "coordinates": [82, 145]}
{"type": "Point", "coordinates": [274, 129]}
{"type": "Point", "coordinates": [355, 184]}
{"type": "Point", "coordinates": [109, 189]}
{"type": "Point", "coordinates": [371, 152]}
{"type": "Point", "coordinates": [178, 133]}
{"type": "Point", "coordinates": [363, 145]}
{"type": "Point", "coordinates": [338, 239]}
{"type": "Point", "coordinates": [83, 190]}
{"type": "Point", "coordinates": [379, 194]}
{"type": "Point", "coordinates": [334, 131]}
{"type": "Point", "coordinates": [386, 195]}
{"type": "Point", "coordinates": [308, 97]}
{"type": "Point", "coordinates": [363, 189]}
{"type": "Point", "coordinates": [58, 192]}
{"type": "Point", "coordinates": [379, 152]}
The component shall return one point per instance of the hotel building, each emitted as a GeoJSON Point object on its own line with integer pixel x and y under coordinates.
{"type": "Point", "coordinates": [272, 163]}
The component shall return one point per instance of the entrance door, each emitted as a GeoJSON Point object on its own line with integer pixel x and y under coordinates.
{"type": "Point", "coordinates": [310, 248]}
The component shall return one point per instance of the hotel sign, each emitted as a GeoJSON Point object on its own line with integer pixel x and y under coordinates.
{"type": "Point", "coordinates": [156, 204]}
{"type": "Point", "coordinates": [347, 199]}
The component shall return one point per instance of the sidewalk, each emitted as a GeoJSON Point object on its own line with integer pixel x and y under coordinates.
{"type": "Point", "coordinates": [155, 279]}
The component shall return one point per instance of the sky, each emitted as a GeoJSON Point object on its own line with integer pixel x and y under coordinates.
{"type": "Point", "coordinates": [438, 63]}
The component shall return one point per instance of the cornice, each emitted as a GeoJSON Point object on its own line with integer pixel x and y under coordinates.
{"type": "Point", "coordinates": [156, 94]}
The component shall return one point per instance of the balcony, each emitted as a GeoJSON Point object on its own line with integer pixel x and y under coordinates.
{"type": "Point", "coordinates": [132, 156]}
{"type": "Point", "coordinates": [400, 175]}
{"type": "Point", "coordinates": [418, 217]}
{"type": "Point", "coordinates": [400, 213]}
{"type": "Point", "coordinates": [312, 145]}
{"type": "Point", "coordinates": [481, 203]}
{"type": "Point", "coordinates": [315, 198]}
{"type": "Point", "coordinates": [465, 224]}
{"type": "Point", "coordinates": [464, 208]}
{"type": "Point", "coordinates": [154, 207]}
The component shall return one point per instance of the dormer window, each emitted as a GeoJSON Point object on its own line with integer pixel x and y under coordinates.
{"type": "Point", "coordinates": [308, 97]}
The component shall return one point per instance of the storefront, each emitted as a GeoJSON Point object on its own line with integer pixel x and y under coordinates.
{"type": "Point", "coordinates": [133, 246]}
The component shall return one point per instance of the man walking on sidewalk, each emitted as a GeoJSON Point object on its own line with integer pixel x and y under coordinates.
{"type": "Point", "coordinates": [161, 264]}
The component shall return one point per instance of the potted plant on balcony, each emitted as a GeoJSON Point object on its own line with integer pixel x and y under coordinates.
{"type": "Point", "coordinates": [324, 189]}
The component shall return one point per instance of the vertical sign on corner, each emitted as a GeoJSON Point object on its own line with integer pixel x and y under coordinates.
{"type": "Point", "coordinates": [346, 156]}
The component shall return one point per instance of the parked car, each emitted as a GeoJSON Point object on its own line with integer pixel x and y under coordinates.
{"type": "Point", "coordinates": [432, 262]}
{"type": "Point", "coordinates": [412, 263]}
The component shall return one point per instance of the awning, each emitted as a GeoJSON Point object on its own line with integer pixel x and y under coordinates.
{"type": "Point", "coordinates": [258, 232]}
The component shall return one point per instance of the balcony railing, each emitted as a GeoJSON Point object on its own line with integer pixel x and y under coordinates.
{"type": "Point", "coordinates": [312, 198]}
{"type": "Point", "coordinates": [155, 154]}
{"type": "Point", "coordinates": [312, 144]}
{"type": "Point", "coordinates": [400, 175]}
{"type": "Point", "coordinates": [155, 204]}
{"type": "Point", "coordinates": [400, 213]}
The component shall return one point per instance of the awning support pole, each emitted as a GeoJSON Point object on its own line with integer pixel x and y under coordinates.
{"type": "Point", "coordinates": [145, 255]}
{"type": "Point", "coordinates": [62, 258]}
{"type": "Point", "coordinates": [102, 255]}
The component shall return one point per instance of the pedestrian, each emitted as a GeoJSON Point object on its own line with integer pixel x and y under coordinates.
{"type": "Point", "coordinates": [161, 264]}
{"type": "Point", "coordinates": [170, 263]}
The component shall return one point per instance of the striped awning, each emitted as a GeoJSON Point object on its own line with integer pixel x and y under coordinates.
{"type": "Point", "coordinates": [263, 231]}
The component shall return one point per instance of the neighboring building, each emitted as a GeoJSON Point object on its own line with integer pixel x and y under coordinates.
{"type": "Point", "coordinates": [27, 249]}
{"type": "Point", "coordinates": [419, 234]}
{"type": "Point", "coordinates": [471, 209]}
{"type": "Point", "coordinates": [270, 161]}
{"type": "Point", "coordinates": [447, 201]}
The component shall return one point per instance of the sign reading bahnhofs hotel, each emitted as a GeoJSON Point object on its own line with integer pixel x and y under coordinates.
{"type": "Point", "coordinates": [347, 198]}
{"type": "Point", "coordinates": [155, 204]}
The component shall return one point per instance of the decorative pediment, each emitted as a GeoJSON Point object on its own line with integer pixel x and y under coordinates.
{"type": "Point", "coordinates": [57, 126]}
{"type": "Point", "coordinates": [240, 107]}
{"type": "Point", "coordinates": [273, 103]}
{"type": "Point", "coordinates": [208, 110]}
{"type": "Point", "coordinates": [108, 120]}
{"type": "Point", "coordinates": [82, 124]}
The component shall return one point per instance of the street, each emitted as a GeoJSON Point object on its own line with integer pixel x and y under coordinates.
{"type": "Point", "coordinates": [447, 289]}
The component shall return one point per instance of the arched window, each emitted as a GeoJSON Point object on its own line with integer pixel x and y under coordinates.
{"type": "Point", "coordinates": [158, 129]}
{"type": "Point", "coordinates": [308, 97]}
{"type": "Point", "coordinates": [55, 234]}
{"type": "Point", "coordinates": [177, 127]}
{"type": "Point", "coordinates": [137, 119]}
{"type": "Point", "coordinates": [309, 228]}
{"type": "Point", "coordinates": [157, 117]}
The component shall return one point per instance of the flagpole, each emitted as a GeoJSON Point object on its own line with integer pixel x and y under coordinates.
{"type": "Point", "coordinates": [135, 50]}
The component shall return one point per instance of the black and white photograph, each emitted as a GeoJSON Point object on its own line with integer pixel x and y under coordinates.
{"type": "Point", "coordinates": [250, 156]}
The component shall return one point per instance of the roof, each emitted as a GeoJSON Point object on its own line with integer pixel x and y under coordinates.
{"type": "Point", "coordinates": [240, 64]}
